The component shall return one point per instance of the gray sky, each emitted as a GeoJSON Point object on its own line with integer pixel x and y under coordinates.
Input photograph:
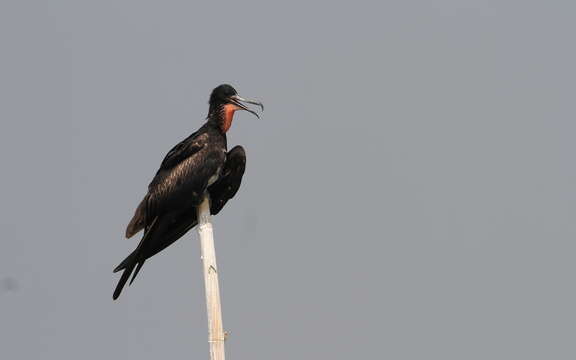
{"type": "Point", "coordinates": [409, 192]}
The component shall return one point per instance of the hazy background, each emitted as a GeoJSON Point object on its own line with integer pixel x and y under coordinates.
{"type": "Point", "coordinates": [409, 194]}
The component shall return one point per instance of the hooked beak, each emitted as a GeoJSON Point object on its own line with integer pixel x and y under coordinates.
{"type": "Point", "coordinates": [240, 102]}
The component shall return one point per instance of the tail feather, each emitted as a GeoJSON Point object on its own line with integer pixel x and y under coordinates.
{"type": "Point", "coordinates": [137, 271]}
{"type": "Point", "coordinates": [128, 266]}
{"type": "Point", "coordinates": [130, 258]}
{"type": "Point", "coordinates": [133, 260]}
{"type": "Point", "coordinates": [125, 276]}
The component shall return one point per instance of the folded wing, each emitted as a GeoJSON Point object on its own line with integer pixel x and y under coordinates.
{"type": "Point", "coordinates": [170, 226]}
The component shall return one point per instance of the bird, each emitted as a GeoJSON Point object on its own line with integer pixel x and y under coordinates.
{"type": "Point", "coordinates": [197, 166]}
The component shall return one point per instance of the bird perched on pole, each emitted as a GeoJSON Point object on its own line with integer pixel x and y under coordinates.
{"type": "Point", "coordinates": [198, 164]}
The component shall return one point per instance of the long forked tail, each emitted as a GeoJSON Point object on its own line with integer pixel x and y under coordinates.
{"type": "Point", "coordinates": [128, 268]}
{"type": "Point", "coordinates": [131, 261]}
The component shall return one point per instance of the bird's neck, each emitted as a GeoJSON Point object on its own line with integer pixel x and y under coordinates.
{"type": "Point", "coordinates": [222, 117]}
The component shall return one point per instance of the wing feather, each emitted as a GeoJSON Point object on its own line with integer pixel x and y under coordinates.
{"type": "Point", "coordinates": [173, 226]}
{"type": "Point", "coordinates": [179, 154]}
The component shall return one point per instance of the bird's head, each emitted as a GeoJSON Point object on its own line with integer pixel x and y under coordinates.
{"type": "Point", "coordinates": [224, 101]}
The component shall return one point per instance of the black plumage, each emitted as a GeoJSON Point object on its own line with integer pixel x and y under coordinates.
{"type": "Point", "coordinates": [198, 164]}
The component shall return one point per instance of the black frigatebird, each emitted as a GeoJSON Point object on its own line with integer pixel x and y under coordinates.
{"type": "Point", "coordinates": [198, 164]}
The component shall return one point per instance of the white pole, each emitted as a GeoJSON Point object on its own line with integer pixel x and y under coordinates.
{"type": "Point", "coordinates": [216, 335]}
